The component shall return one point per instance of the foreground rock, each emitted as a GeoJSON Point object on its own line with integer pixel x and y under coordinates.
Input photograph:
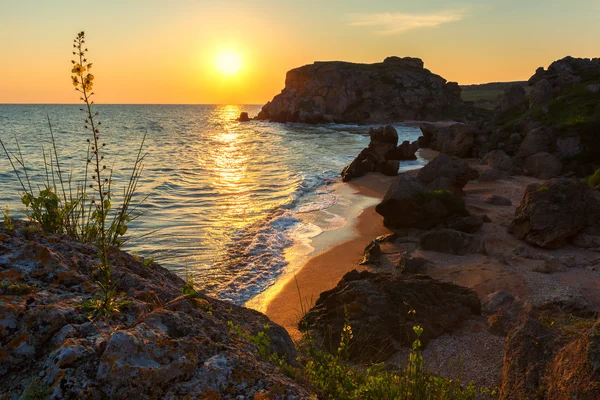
{"type": "Point", "coordinates": [409, 204]}
{"type": "Point", "coordinates": [163, 345]}
{"type": "Point", "coordinates": [447, 173]}
{"type": "Point", "coordinates": [396, 89]}
{"type": "Point", "coordinates": [378, 157]}
{"type": "Point", "coordinates": [377, 308]}
{"type": "Point", "coordinates": [557, 360]}
{"type": "Point", "coordinates": [553, 213]}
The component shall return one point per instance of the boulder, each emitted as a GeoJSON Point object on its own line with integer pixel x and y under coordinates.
{"type": "Point", "coordinates": [243, 117]}
{"type": "Point", "coordinates": [408, 204]}
{"type": "Point", "coordinates": [497, 200]}
{"type": "Point", "coordinates": [394, 90]}
{"type": "Point", "coordinates": [376, 306]}
{"type": "Point", "coordinates": [406, 151]}
{"type": "Point", "coordinates": [538, 140]}
{"type": "Point", "coordinates": [372, 253]}
{"type": "Point", "coordinates": [503, 311]}
{"type": "Point", "coordinates": [543, 166]}
{"type": "Point", "coordinates": [447, 173]}
{"type": "Point", "coordinates": [552, 213]}
{"type": "Point", "coordinates": [450, 241]}
{"type": "Point", "coordinates": [456, 140]}
{"type": "Point", "coordinates": [377, 157]}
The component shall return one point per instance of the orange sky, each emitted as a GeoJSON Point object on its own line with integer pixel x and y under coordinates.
{"type": "Point", "coordinates": [164, 51]}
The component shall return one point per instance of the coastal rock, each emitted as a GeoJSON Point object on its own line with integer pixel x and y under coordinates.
{"type": "Point", "coordinates": [456, 140]}
{"type": "Point", "coordinates": [406, 151]}
{"type": "Point", "coordinates": [551, 214]}
{"type": "Point", "coordinates": [527, 350]}
{"type": "Point", "coordinates": [408, 204]}
{"type": "Point", "coordinates": [408, 265]}
{"type": "Point", "coordinates": [543, 166]}
{"type": "Point", "coordinates": [377, 157]}
{"type": "Point", "coordinates": [447, 173]}
{"type": "Point", "coordinates": [394, 90]}
{"type": "Point", "coordinates": [372, 253]}
{"type": "Point", "coordinates": [243, 117]}
{"type": "Point", "coordinates": [503, 311]}
{"type": "Point", "coordinates": [575, 370]}
{"type": "Point", "coordinates": [536, 141]}
{"type": "Point", "coordinates": [161, 345]}
{"type": "Point", "coordinates": [452, 242]}
{"type": "Point", "coordinates": [377, 307]}
{"type": "Point", "coordinates": [557, 360]}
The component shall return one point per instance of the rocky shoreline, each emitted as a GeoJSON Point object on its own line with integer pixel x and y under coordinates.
{"type": "Point", "coordinates": [493, 250]}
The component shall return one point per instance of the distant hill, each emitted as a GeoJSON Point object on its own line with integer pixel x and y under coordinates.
{"type": "Point", "coordinates": [487, 95]}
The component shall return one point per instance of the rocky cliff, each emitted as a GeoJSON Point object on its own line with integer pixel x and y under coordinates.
{"type": "Point", "coordinates": [396, 89]}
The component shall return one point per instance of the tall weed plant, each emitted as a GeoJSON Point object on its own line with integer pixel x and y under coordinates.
{"type": "Point", "coordinates": [83, 207]}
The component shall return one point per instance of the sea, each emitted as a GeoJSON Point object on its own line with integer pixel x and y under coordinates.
{"type": "Point", "coordinates": [224, 200]}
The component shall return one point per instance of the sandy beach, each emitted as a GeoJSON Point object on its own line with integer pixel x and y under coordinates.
{"type": "Point", "coordinates": [323, 271]}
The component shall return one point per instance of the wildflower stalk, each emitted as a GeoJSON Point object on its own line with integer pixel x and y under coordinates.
{"type": "Point", "coordinates": [83, 83]}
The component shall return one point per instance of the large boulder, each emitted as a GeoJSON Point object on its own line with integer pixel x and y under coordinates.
{"type": "Point", "coordinates": [543, 166]}
{"type": "Point", "coordinates": [377, 157]}
{"type": "Point", "coordinates": [406, 151]}
{"type": "Point", "coordinates": [538, 140]}
{"type": "Point", "coordinates": [396, 89]}
{"type": "Point", "coordinates": [552, 213]}
{"type": "Point", "coordinates": [445, 172]}
{"type": "Point", "coordinates": [376, 306]}
{"type": "Point", "coordinates": [451, 241]}
{"type": "Point", "coordinates": [408, 204]}
{"type": "Point", "coordinates": [456, 140]}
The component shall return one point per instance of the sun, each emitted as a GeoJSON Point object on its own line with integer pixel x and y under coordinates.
{"type": "Point", "coordinates": [228, 62]}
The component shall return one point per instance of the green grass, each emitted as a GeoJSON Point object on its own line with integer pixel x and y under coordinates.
{"type": "Point", "coordinates": [16, 289]}
{"type": "Point", "coordinates": [594, 180]}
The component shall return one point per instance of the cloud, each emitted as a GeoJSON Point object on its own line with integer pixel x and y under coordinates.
{"type": "Point", "coordinates": [388, 23]}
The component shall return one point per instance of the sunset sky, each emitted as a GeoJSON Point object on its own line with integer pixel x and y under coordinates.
{"type": "Point", "coordinates": [230, 52]}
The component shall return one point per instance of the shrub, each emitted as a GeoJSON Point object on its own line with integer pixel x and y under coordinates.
{"type": "Point", "coordinates": [594, 180]}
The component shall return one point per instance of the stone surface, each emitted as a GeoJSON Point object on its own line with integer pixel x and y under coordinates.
{"type": "Point", "coordinates": [243, 117]}
{"type": "Point", "coordinates": [451, 241]}
{"type": "Point", "coordinates": [408, 204]}
{"type": "Point", "coordinates": [447, 173]}
{"type": "Point", "coordinates": [552, 213]}
{"type": "Point", "coordinates": [163, 345]}
{"type": "Point", "coordinates": [377, 157]}
{"type": "Point", "coordinates": [394, 90]}
{"type": "Point", "coordinates": [497, 200]}
{"type": "Point", "coordinates": [491, 175]}
{"type": "Point", "coordinates": [372, 253]}
{"type": "Point", "coordinates": [513, 97]}
{"type": "Point", "coordinates": [377, 308]}
{"type": "Point", "coordinates": [470, 224]}
{"type": "Point", "coordinates": [456, 140]}
{"type": "Point", "coordinates": [406, 151]}
{"type": "Point", "coordinates": [543, 166]}
{"type": "Point", "coordinates": [538, 140]}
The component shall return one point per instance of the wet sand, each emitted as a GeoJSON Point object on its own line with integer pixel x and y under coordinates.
{"type": "Point", "coordinates": [323, 271]}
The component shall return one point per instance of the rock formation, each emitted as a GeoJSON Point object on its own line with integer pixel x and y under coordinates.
{"type": "Point", "coordinates": [382, 155]}
{"type": "Point", "coordinates": [243, 117]}
{"type": "Point", "coordinates": [162, 345]}
{"type": "Point", "coordinates": [447, 173]}
{"type": "Point", "coordinates": [396, 89]}
{"type": "Point", "coordinates": [409, 204]}
{"type": "Point", "coordinates": [553, 213]}
{"type": "Point", "coordinates": [377, 308]}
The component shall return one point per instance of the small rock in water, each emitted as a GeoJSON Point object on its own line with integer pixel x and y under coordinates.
{"type": "Point", "coordinates": [243, 117]}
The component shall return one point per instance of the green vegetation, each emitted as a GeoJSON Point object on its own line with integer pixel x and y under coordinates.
{"type": "Point", "coordinates": [189, 289]}
{"type": "Point", "coordinates": [36, 391]}
{"type": "Point", "coordinates": [15, 289]}
{"type": "Point", "coordinates": [487, 95]}
{"type": "Point", "coordinates": [594, 180]}
{"type": "Point", "coordinates": [82, 208]}
{"type": "Point", "coordinates": [7, 223]}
